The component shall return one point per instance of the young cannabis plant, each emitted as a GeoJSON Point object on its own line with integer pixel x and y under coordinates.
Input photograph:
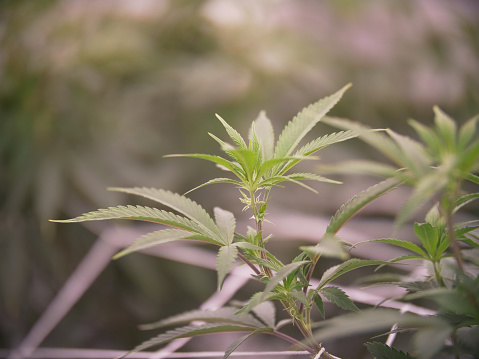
{"type": "Point", "coordinates": [256, 168]}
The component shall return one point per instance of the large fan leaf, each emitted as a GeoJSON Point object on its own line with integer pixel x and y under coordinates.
{"type": "Point", "coordinates": [302, 123]}
{"type": "Point", "coordinates": [383, 351]}
{"type": "Point", "coordinates": [139, 213]}
{"type": "Point", "coordinates": [179, 203]}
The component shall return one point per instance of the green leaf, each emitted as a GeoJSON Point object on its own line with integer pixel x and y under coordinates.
{"type": "Point", "coordinates": [225, 260]}
{"type": "Point", "coordinates": [139, 213]}
{"type": "Point", "coordinates": [429, 137]}
{"type": "Point", "coordinates": [179, 203]}
{"type": "Point", "coordinates": [449, 300]}
{"type": "Point", "coordinates": [302, 123]}
{"type": "Point", "coordinates": [338, 297]}
{"type": "Point", "coordinates": [160, 237]}
{"type": "Point", "coordinates": [325, 141]}
{"type": "Point", "coordinates": [403, 244]}
{"type": "Point", "coordinates": [265, 134]}
{"type": "Point", "coordinates": [446, 128]}
{"type": "Point", "coordinates": [350, 208]}
{"type": "Point", "coordinates": [383, 351]}
{"type": "Point", "coordinates": [280, 275]}
{"type": "Point", "coordinates": [220, 161]}
{"type": "Point", "coordinates": [429, 341]}
{"type": "Point", "coordinates": [319, 303]}
{"type": "Point", "coordinates": [373, 320]}
{"type": "Point", "coordinates": [247, 160]}
{"type": "Point", "coordinates": [188, 332]}
{"type": "Point", "coordinates": [255, 300]}
{"type": "Point", "coordinates": [467, 133]}
{"type": "Point", "coordinates": [242, 339]}
{"type": "Point", "coordinates": [340, 269]}
{"type": "Point", "coordinates": [226, 223]}
{"type": "Point", "coordinates": [217, 180]}
{"type": "Point", "coordinates": [428, 235]}
{"type": "Point", "coordinates": [220, 315]}
{"type": "Point", "coordinates": [234, 135]}
{"type": "Point", "coordinates": [362, 167]}
{"type": "Point", "coordinates": [413, 153]}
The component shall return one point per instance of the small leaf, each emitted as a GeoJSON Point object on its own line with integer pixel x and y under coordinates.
{"type": "Point", "coordinates": [414, 155]}
{"type": "Point", "coordinates": [255, 300]}
{"type": "Point", "coordinates": [467, 133]}
{"type": "Point", "coordinates": [280, 275]}
{"type": "Point", "coordinates": [234, 135]}
{"type": "Point", "coordinates": [319, 303]}
{"type": "Point", "coordinates": [265, 133]}
{"type": "Point", "coordinates": [338, 297]}
{"type": "Point", "coordinates": [226, 223]}
{"type": "Point", "coordinates": [225, 260]}
{"type": "Point", "coordinates": [428, 235]}
{"type": "Point", "coordinates": [383, 351]}
{"type": "Point", "coordinates": [329, 246]}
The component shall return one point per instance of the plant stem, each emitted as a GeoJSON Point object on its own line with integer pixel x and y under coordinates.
{"type": "Point", "coordinates": [248, 262]}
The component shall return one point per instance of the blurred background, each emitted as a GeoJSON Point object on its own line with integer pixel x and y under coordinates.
{"type": "Point", "coordinates": [94, 94]}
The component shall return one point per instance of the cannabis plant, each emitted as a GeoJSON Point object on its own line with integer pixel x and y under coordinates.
{"type": "Point", "coordinates": [435, 168]}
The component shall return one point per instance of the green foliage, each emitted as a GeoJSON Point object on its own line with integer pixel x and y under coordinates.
{"type": "Point", "coordinates": [436, 167]}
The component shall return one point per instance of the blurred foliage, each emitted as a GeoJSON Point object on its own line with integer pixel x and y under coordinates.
{"type": "Point", "coordinates": [94, 96]}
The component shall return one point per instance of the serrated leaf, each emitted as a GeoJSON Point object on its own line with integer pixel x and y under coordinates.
{"type": "Point", "coordinates": [234, 135]}
{"type": "Point", "coordinates": [160, 237]}
{"type": "Point", "coordinates": [428, 235]}
{"type": "Point", "coordinates": [139, 213]}
{"type": "Point", "coordinates": [188, 332]}
{"type": "Point", "coordinates": [338, 297]}
{"type": "Point", "coordinates": [226, 223]}
{"type": "Point", "coordinates": [340, 269]}
{"type": "Point", "coordinates": [403, 244]}
{"type": "Point", "coordinates": [220, 161]}
{"type": "Point", "coordinates": [383, 351]}
{"type": "Point", "coordinates": [429, 137]}
{"type": "Point", "coordinates": [280, 275]}
{"type": "Point", "coordinates": [233, 346]}
{"type": "Point", "coordinates": [220, 315]}
{"type": "Point", "coordinates": [325, 141]}
{"type": "Point", "coordinates": [319, 304]}
{"type": "Point", "coordinates": [350, 208]}
{"type": "Point", "coordinates": [179, 203]}
{"type": "Point", "coordinates": [265, 133]}
{"type": "Point", "coordinates": [224, 261]}
{"type": "Point", "coordinates": [302, 123]}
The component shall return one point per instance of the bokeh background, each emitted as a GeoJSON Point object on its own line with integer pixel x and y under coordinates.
{"type": "Point", "coordinates": [94, 93]}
